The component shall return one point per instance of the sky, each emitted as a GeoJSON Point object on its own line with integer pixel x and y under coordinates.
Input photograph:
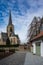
{"type": "Point", "coordinates": [23, 11]}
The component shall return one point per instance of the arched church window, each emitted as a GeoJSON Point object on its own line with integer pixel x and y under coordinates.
{"type": "Point", "coordinates": [10, 29]}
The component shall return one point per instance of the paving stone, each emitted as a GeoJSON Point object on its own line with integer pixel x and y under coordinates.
{"type": "Point", "coordinates": [33, 59]}
{"type": "Point", "coordinates": [15, 59]}
{"type": "Point", "coordinates": [22, 58]}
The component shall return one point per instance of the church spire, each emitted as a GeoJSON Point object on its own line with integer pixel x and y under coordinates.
{"type": "Point", "coordinates": [10, 18]}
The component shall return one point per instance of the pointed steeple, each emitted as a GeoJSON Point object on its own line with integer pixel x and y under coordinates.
{"type": "Point", "coordinates": [10, 18]}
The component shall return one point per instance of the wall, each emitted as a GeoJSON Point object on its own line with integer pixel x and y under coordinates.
{"type": "Point", "coordinates": [2, 42]}
{"type": "Point", "coordinates": [13, 40]}
{"type": "Point", "coordinates": [34, 48]}
{"type": "Point", "coordinates": [42, 48]}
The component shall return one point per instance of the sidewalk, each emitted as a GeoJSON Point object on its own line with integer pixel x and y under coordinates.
{"type": "Point", "coordinates": [31, 59]}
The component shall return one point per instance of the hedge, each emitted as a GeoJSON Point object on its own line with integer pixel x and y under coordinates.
{"type": "Point", "coordinates": [16, 45]}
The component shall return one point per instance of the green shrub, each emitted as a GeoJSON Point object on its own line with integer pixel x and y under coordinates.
{"type": "Point", "coordinates": [2, 50]}
{"type": "Point", "coordinates": [12, 50]}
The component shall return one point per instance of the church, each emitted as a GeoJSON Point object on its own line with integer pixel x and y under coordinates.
{"type": "Point", "coordinates": [14, 38]}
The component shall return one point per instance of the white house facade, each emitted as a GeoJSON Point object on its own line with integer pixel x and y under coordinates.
{"type": "Point", "coordinates": [36, 36]}
{"type": "Point", "coordinates": [37, 47]}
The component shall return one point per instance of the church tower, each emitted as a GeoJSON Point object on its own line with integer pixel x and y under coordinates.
{"type": "Point", "coordinates": [10, 27]}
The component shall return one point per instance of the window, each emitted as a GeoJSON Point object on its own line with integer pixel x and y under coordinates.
{"type": "Point", "coordinates": [38, 44]}
{"type": "Point", "coordinates": [10, 29]}
{"type": "Point", "coordinates": [41, 28]}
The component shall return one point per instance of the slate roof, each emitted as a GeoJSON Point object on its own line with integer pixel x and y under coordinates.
{"type": "Point", "coordinates": [10, 19]}
{"type": "Point", "coordinates": [4, 36]}
{"type": "Point", "coordinates": [15, 35]}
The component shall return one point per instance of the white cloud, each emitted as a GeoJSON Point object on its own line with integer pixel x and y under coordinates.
{"type": "Point", "coordinates": [22, 22]}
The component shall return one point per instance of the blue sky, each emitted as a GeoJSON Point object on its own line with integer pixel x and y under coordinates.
{"type": "Point", "coordinates": [22, 12]}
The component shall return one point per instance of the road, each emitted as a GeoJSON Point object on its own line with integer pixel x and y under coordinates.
{"type": "Point", "coordinates": [17, 58]}
{"type": "Point", "coordinates": [22, 58]}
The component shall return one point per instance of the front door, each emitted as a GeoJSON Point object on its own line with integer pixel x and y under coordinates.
{"type": "Point", "coordinates": [38, 48]}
